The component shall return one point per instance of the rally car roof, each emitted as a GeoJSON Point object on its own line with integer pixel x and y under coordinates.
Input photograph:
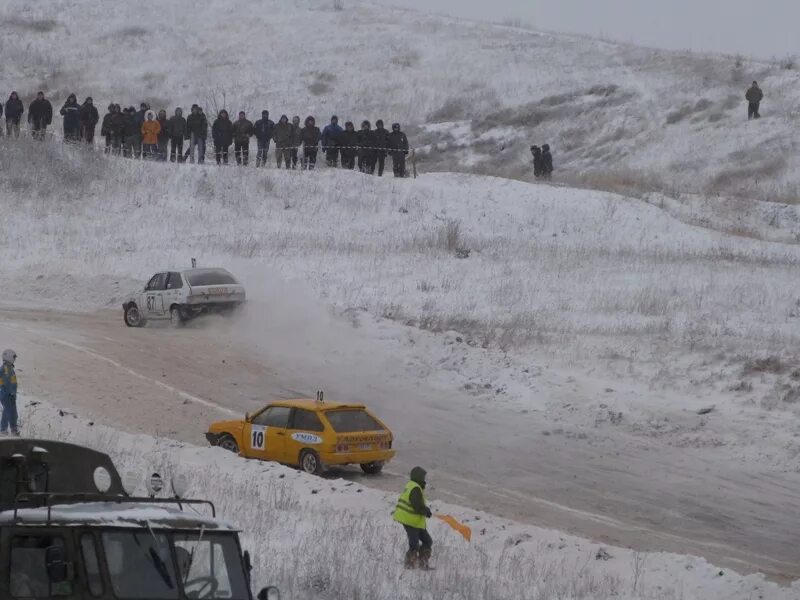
{"type": "Point", "coordinates": [311, 404]}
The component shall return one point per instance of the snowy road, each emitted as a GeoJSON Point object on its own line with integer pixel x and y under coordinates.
{"type": "Point", "coordinates": [610, 488]}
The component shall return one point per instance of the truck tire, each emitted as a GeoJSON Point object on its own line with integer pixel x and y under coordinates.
{"type": "Point", "coordinates": [133, 316]}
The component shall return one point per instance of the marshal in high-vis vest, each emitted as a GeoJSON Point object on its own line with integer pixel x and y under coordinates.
{"type": "Point", "coordinates": [412, 513]}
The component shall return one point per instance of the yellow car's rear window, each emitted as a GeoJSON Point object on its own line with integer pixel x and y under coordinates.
{"type": "Point", "coordinates": [352, 420]}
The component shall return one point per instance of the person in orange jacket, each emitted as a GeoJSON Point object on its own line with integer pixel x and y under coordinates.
{"type": "Point", "coordinates": [150, 130]}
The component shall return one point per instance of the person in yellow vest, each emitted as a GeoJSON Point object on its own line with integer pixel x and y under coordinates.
{"type": "Point", "coordinates": [411, 513]}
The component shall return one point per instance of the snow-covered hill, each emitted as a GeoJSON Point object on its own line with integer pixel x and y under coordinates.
{"type": "Point", "coordinates": [474, 96]}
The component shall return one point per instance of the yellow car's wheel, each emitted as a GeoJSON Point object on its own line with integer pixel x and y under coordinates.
{"type": "Point", "coordinates": [226, 442]}
{"type": "Point", "coordinates": [310, 462]}
{"type": "Point", "coordinates": [372, 468]}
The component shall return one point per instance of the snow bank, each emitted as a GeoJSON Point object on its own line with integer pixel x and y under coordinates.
{"type": "Point", "coordinates": [331, 538]}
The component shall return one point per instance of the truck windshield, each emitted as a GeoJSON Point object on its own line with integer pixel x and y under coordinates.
{"type": "Point", "coordinates": [210, 566]}
{"type": "Point", "coordinates": [142, 565]}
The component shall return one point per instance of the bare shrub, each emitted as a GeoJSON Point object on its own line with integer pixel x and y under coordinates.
{"type": "Point", "coordinates": [450, 235]}
{"type": "Point", "coordinates": [405, 59]}
{"type": "Point", "coordinates": [321, 83]}
{"type": "Point", "coordinates": [676, 116]}
{"type": "Point", "coordinates": [337, 5]}
{"type": "Point", "coordinates": [789, 63]}
{"type": "Point", "coordinates": [133, 31]}
{"type": "Point", "coordinates": [454, 109]}
{"type": "Point", "coordinates": [31, 25]}
{"type": "Point", "coordinates": [770, 364]}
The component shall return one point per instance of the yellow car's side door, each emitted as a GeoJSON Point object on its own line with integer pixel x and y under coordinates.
{"type": "Point", "coordinates": [305, 431]}
{"type": "Point", "coordinates": [265, 434]}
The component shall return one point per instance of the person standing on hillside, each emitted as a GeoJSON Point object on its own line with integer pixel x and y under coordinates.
{"type": "Point", "coordinates": [547, 162]}
{"type": "Point", "coordinates": [40, 115]}
{"type": "Point", "coordinates": [8, 394]}
{"type": "Point", "coordinates": [536, 152]}
{"type": "Point", "coordinates": [89, 118]}
{"type": "Point", "coordinates": [105, 128]}
{"type": "Point", "coordinates": [283, 141]}
{"type": "Point", "coordinates": [398, 147]}
{"type": "Point", "coordinates": [348, 146]}
{"type": "Point", "coordinates": [366, 149]}
{"type": "Point", "coordinates": [264, 128]}
{"type": "Point", "coordinates": [297, 139]}
{"type": "Point", "coordinates": [331, 136]}
{"type": "Point", "coordinates": [138, 121]}
{"type": "Point", "coordinates": [72, 119]}
{"type": "Point", "coordinates": [131, 134]}
{"type": "Point", "coordinates": [150, 130]}
{"type": "Point", "coordinates": [176, 130]}
{"type": "Point", "coordinates": [197, 133]}
{"type": "Point", "coordinates": [222, 134]}
{"type": "Point", "coordinates": [311, 136]}
{"type": "Point", "coordinates": [117, 129]}
{"type": "Point", "coordinates": [380, 138]}
{"type": "Point", "coordinates": [411, 512]}
{"type": "Point", "coordinates": [754, 96]}
{"type": "Point", "coordinates": [163, 136]}
{"type": "Point", "coordinates": [14, 110]}
{"type": "Point", "coordinates": [242, 132]}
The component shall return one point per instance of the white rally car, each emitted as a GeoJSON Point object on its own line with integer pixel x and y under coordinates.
{"type": "Point", "coordinates": [181, 295]}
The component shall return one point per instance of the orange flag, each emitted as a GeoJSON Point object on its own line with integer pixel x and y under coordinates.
{"type": "Point", "coordinates": [459, 527]}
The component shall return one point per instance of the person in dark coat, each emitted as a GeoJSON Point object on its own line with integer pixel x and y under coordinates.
{"type": "Point", "coordinates": [176, 130]}
{"type": "Point", "coordinates": [380, 137]}
{"type": "Point", "coordinates": [105, 128]}
{"type": "Point", "coordinates": [116, 128]}
{"type": "Point", "coordinates": [222, 134]}
{"type": "Point", "coordinates": [311, 136]}
{"type": "Point", "coordinates": [14, 110]}
{"type": "Point", "coordinates": [131, 133]}
{"type": "Point", "coordinates": [138, 119]}
{"type": "Point", "coordinates": [547, 162]}
{"type": "Point", "coordinates": [536, 152]}
{"type": "Point", "coordinates": [754, 96]}
{"type": "Point", "coordinates": [283, 135]}
{"type": "Point", "coordinates": [196, 133]}
{"type": "Point", "coordinates": [331, 136]}
{"type": "Point", "coordinates": [366, 149]}
{"type": "Point", "coordinates": [263, 128]}
{"type": "Point", "coordinates": [40, 115]}
{"type": "Point", "coordinates": [89, 118]}
{"type": "Point", "coordinates": [297, 139]}
{"type": "Point", "coordinates": [398, 149]}
{"type": "Point", "coordinates": [163, 135]}
{"type": "Point", "coordinates": [348, 145]}
{"type": "Point", "coordinates": [72, 119]}
{"type": "Point", "coordinates": [242, 132]}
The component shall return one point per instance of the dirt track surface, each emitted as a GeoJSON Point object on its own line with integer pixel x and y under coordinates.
{"type": "Point", "coordinates": [173, 383]}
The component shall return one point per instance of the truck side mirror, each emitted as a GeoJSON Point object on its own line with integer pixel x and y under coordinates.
{"type": "Point", "coordinates": [269, 593]}
{"type": "Point", "coordinates": [56, 563]}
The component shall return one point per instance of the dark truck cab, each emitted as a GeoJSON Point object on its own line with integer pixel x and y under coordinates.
{"type": "Point", "coordinates": [70, 531]}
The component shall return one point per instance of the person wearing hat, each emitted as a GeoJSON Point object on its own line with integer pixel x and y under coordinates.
{"type": "Point", "coordinates": [40, 115]}
{"type": "Point", "coordinates": [89, 118]}
{"type": "Point", "coordinates": [8, 393]}
{"type": "Point", "coordinates": [398, 148]}
{"type": "Point", "coordinates": [754, 96]}
{"type": "Point", "coordinates": [411, 512]}
{"type": "Point", "coordinates": [264, 129]}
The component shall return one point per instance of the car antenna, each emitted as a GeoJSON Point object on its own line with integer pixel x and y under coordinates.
{"type": "Point", "coordinates": [194, 263]}
{"type": "Point", "coordinates": [320, 396]}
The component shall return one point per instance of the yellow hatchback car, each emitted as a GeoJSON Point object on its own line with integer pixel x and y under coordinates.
{"type": "Point", "coordinates": [310, 434]}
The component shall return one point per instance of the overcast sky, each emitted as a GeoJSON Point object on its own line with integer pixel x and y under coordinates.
{"type": "Point", "coordinates": [758, 28]}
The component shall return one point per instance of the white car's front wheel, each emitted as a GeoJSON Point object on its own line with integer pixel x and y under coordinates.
{"type": "Point", "coordinates": [133, 316]}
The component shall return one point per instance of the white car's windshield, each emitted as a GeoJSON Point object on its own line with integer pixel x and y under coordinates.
{"type": "Point", "coordinates": [209, 277]}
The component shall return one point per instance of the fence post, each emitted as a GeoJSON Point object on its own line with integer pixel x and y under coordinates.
{"type": "Point", "coordinates": [414, 162]}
